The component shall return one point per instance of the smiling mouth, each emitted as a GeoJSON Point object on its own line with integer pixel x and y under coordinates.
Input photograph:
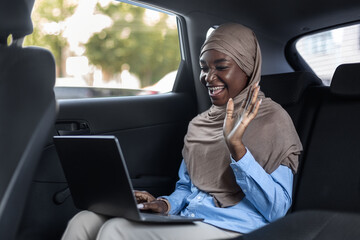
{"type": "Point", "coordinates": [215, 90]}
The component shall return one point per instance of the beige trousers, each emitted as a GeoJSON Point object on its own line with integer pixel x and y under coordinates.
{"type": "Point", "coordinates": [87, 225]}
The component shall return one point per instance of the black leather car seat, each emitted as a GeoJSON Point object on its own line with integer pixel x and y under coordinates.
{"type": "Point", "coordinates": [329, 178]}
{"type": "Point", "coordinates": [27, 110]}
{"type": "Point", "coordinates": [288, 89]}
{"type": "Point", "coordinates": [327, 201]}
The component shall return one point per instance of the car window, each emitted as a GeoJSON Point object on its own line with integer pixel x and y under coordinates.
{"type": "Point", "coordinates": [326, 50]}
{"type": "Point", "coordinates": [107, 48]}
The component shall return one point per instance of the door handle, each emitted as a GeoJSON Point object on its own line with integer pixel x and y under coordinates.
{"type": "Point", "coordinates": [60, 196]}
{"type": "Point", "coordinates": [64, 128]}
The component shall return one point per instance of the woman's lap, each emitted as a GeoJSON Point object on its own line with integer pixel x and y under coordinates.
{"type": "Point", "coordinates": [88, 226]}
{"type": "Point", "coordinates": [119, 228]}
{"type": "Point", "coordinates": [84, 226]}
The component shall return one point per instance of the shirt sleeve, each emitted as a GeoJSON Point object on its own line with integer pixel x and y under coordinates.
{"type": "Point", "coordinates": [177, 199]}
{"type": "Point", "coordinates": [269, 193]}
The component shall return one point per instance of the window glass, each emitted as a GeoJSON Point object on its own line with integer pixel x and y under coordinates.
{"type": "Point", "coordinates": [324, 51]}
{"type": "Point", "coordinates": [107, 48]}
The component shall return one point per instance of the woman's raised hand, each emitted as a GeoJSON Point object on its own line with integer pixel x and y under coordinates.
{"type": "Point", "coordinates": [235, 125]}
{"type": "Point", "coordinates": [146, 201]}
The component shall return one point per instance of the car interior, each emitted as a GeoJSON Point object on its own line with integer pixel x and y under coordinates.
{"type": "Point", "coordinates": [35, 201]}
{"type": "Point", "coordinates": [34, 103]}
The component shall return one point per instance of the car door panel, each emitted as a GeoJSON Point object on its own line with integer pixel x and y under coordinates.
{"type": "Point", "coordinates": [150, 130]}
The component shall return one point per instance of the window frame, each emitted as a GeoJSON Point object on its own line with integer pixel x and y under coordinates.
{"type": "Point", "coordinates": [293, 57]}
{"type": "Point", "coordinates": [100, 92]}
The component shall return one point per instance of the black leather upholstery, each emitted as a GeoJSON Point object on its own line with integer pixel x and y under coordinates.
{"type": "Point", "coordinates": [27, 110]}
{"type": "Point", "coordinates": [288, 90]}
{"type": "Point", "coordinates": [346, 80]}
{"type": "Point", "coordinates": [330, 174]}
{"type": "Point", "coordinates": [310, 225]}
{"type": "Point", "coordinates": [15, 19]}
{"type": "Point", "coordinates": [326, 204]}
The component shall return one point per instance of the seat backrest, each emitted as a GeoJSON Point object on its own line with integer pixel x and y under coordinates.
{"type": "Point", "coordinates": [330, 174]}
{"type": "Point", "coordinates": [288, 90]}
{"type": "Point", "coordinates": [27, 111]}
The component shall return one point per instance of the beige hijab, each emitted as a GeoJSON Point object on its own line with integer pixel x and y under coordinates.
{"type": "Point", "coordinates": [270, 137]}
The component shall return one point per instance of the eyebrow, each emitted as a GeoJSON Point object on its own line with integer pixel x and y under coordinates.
{"type": "Point", "coordinates": [217, 60]}
{"type": "Point", "coordinates": [221, 60]}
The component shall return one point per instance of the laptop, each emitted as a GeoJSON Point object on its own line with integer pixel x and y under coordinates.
{"type": "Point", "coordinates": [99, 181]}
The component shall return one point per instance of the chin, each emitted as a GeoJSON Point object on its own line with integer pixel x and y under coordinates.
{"type": "Point", "coordinates": [219, 103]}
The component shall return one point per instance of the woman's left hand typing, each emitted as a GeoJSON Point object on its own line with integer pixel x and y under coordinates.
{"type": "Point", "coordinates": [146, 201]}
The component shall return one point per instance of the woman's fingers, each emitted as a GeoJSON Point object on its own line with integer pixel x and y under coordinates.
{"type": "Point", "coordinates": [146, 201]}
{"type": "Point", "coordinates": [255, 111]}
{"type": "Point", "coordinates": [230, 109]}
{"type": "Point", "coordinates": [229, 120]}
{"type": "Point", "coordinates": [249, 97]}
{"type": "Point", "coordinates": [157, 206]}
{"type": "Point", "coordinates": [253, 104]}
{"type": "Point", "coordinates": [235, 127]}
{"type": "Point", "coordinates": [143, 196]}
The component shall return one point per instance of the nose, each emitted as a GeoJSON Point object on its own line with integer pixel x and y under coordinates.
{"type": "Point", "coordinates": [211, 76]}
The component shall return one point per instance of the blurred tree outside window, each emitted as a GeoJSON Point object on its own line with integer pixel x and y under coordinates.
{"type": "Point", "coordinates": [107, 48]}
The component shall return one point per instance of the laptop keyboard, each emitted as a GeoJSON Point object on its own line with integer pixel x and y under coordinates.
{"type": "Point", "coordinates": [167, 218]}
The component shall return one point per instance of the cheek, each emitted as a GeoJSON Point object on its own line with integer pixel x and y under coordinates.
{"type": "Point", "coordinates": [202, 78]}
{"type": "Point", "coordinates": [241, 87]}
{"type": "Point", "coordinates": [236, 86]}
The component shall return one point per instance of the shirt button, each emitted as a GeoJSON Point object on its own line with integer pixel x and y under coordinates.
{"type": "Point", "coordinates": [244, 190]}
{"type": "Point", "coordinates": [192, 215]}
{"type": "Point", "coordinates": [198, 197]}
{"type": "Point", "coordinates": [235, 170]}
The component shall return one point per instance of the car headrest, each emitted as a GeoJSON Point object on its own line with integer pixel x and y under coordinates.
{"type": "Point", "coordinates": [346, 80]}
{"type": "Point", "coordinates": [15, 19]}
{"type": "Point", "coordinates": [287, 88]}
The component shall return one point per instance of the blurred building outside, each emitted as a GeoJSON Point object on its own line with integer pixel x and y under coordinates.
{"type": "Point", "coordinates": [325, 51]}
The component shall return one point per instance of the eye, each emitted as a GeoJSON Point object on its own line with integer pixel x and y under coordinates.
{"type": "Point", "coordinates": [204, 68]}
{"type": "Point", "coordinates": [220, 68]}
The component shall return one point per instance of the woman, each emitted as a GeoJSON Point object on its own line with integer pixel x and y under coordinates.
{"type": "Point", "coordinates": [239, 157]}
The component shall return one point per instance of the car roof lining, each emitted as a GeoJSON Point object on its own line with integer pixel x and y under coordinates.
{"type": "Point", "coordinates": [281, 19]}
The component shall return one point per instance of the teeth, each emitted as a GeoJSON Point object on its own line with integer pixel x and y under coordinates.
{"type": "Point", "coordinates": [215, 88]}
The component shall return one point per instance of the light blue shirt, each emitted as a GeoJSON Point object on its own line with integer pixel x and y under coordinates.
{"type": "Point", "coordinates": [267, 197]}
